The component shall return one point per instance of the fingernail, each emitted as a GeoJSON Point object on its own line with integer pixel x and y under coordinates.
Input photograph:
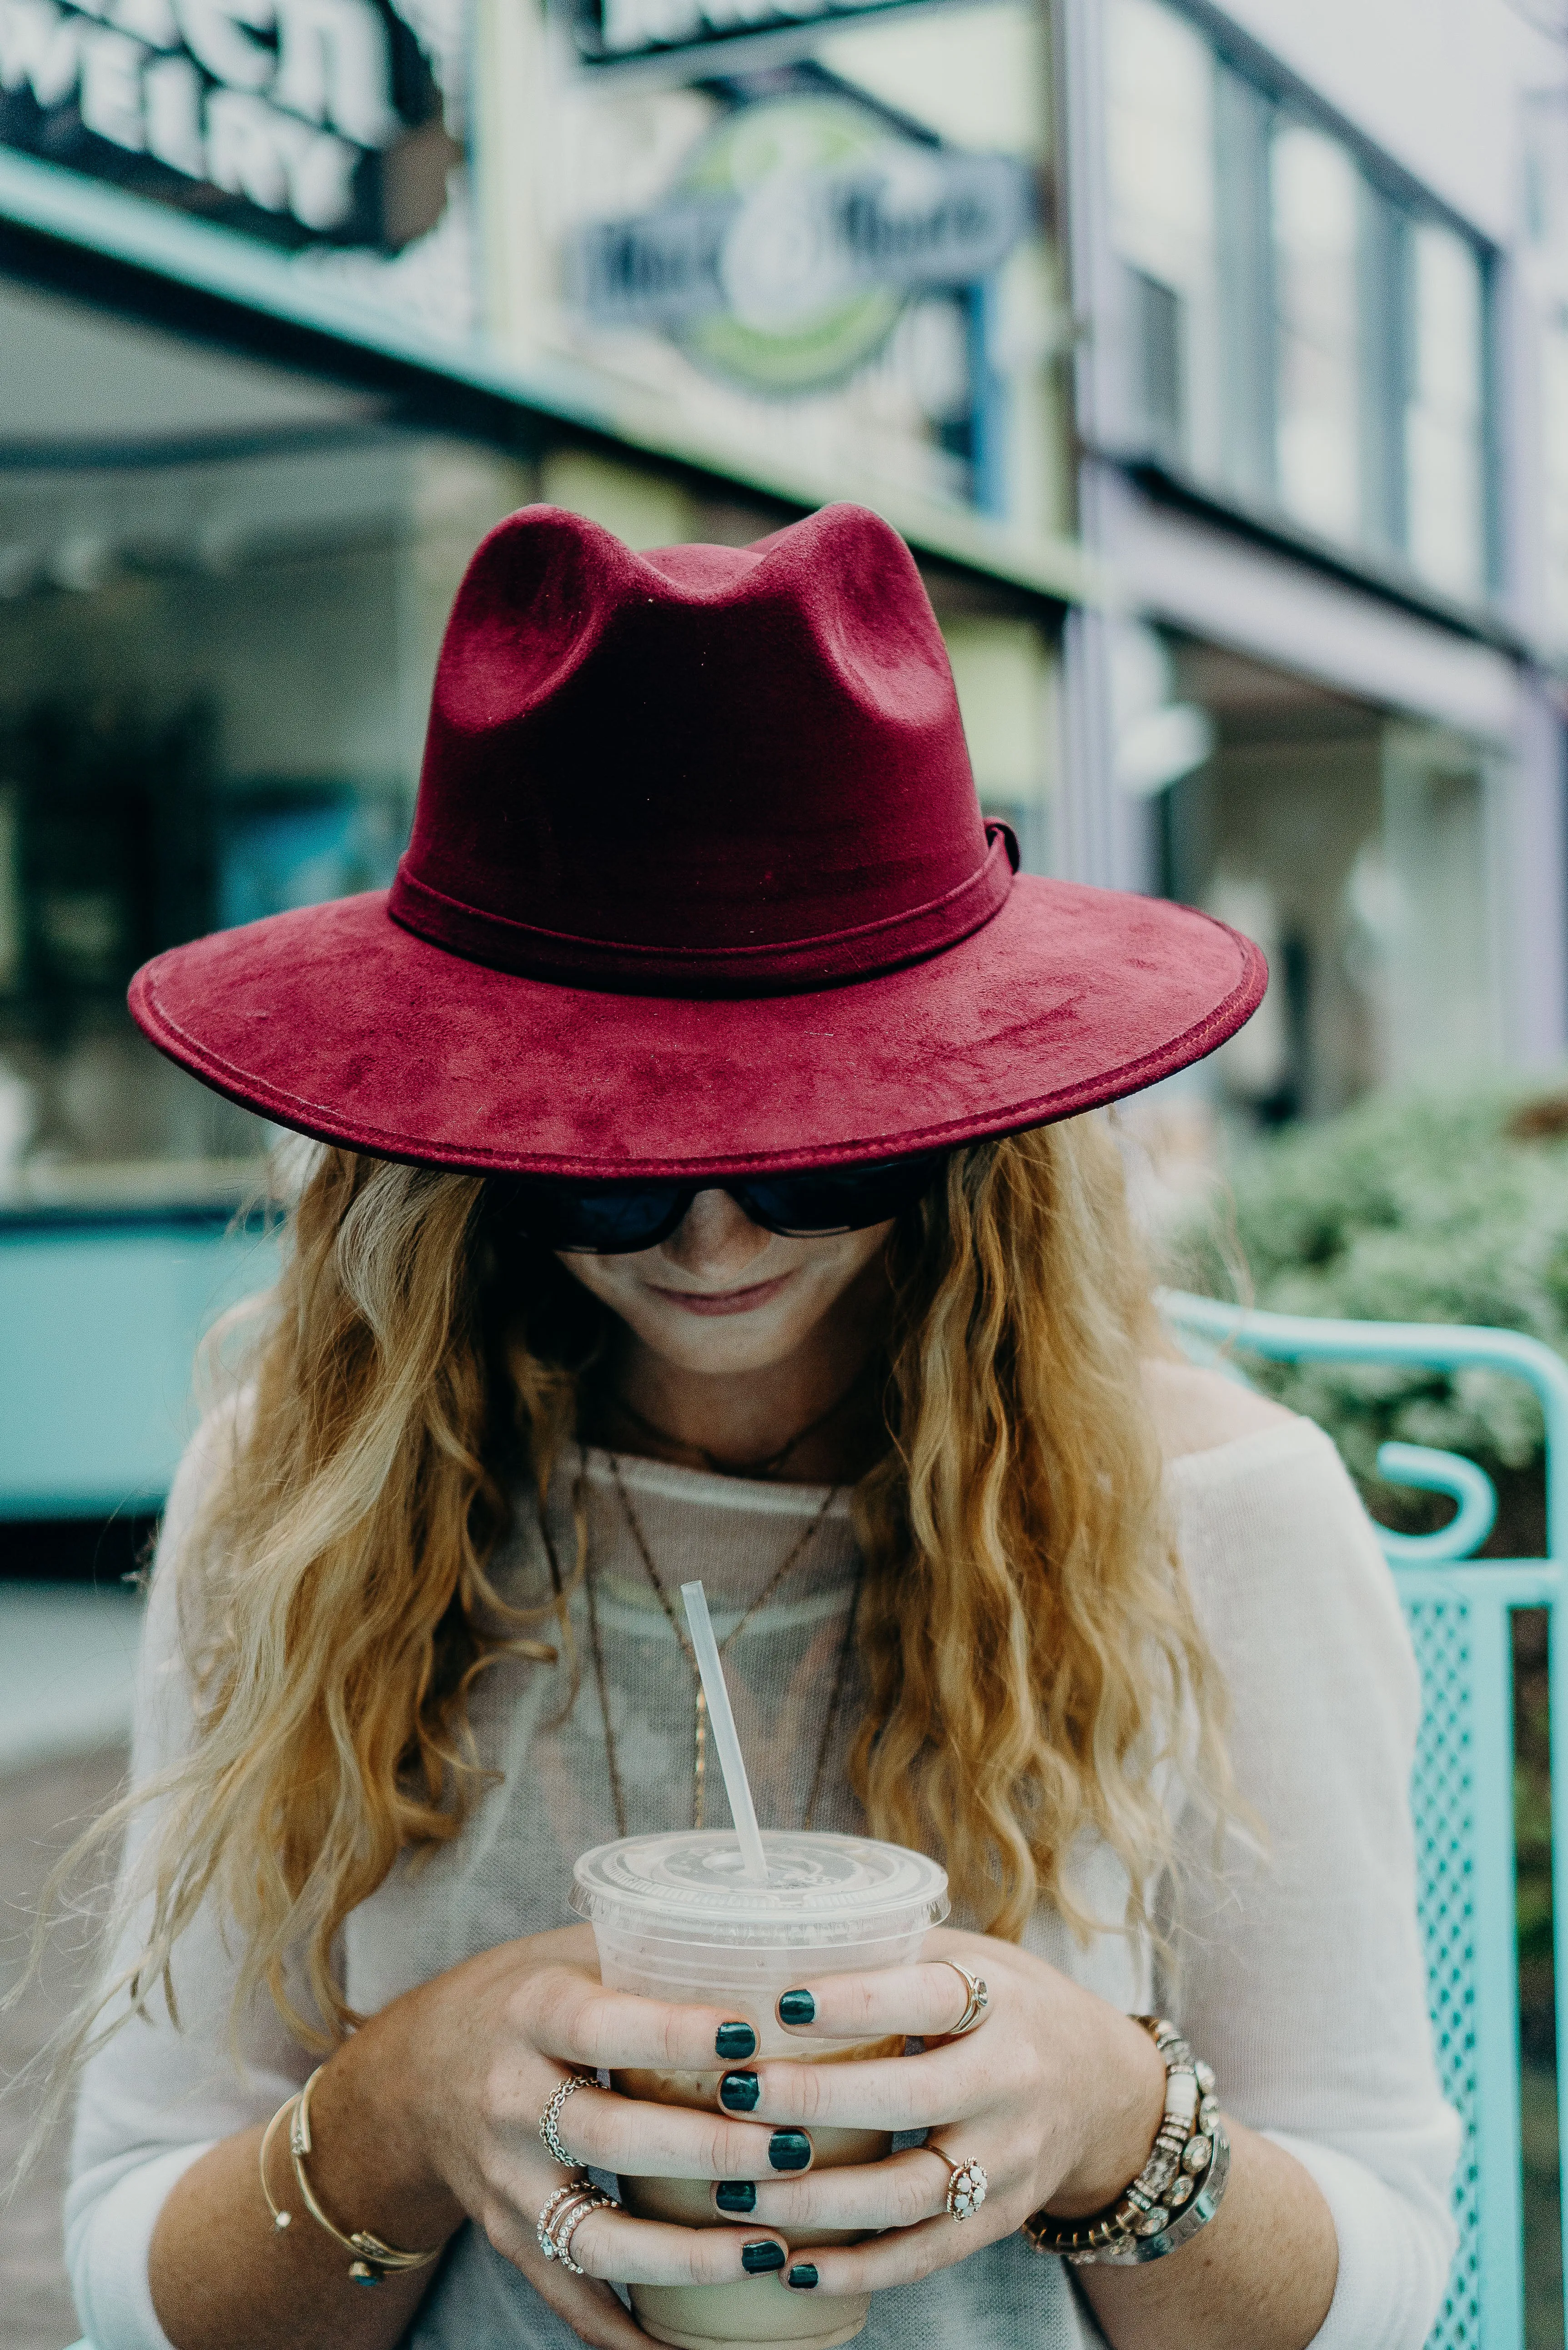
{"type": "Point", "coordinates": [803, 2276]}
{"type": "Point", "coordinates": [733, 2040]}
{"type": "Point", "coordinates": [735, 2195]}
{"type": "Point", "coordinates": [739, 2092]}
{"type": "Point", "coordinates": [758, 2259]}
{"type": "Point", "coordinates": [798, 2007]}
{"type": "Point", "coordinates": [789, 2149]}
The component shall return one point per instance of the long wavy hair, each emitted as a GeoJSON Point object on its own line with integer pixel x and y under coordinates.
{"type": "Point", "coordinates": [1030, 1652]}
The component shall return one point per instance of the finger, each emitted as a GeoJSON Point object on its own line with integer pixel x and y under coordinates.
{"type": "Point", "coordinates": [922, 2002]}
{"type": "Point", "coordinates": [902, 2258]}
{"type": "Point", "coordinates": [893, 2093]}
{"type": "Point", "coordinates": [639, 2140]}
{"type": "Point", "coordinates": [575, 2020]}
{"type": "Point", "coordinates": [629, 2251]}
{"type": "Point", "coordinates": [907, 2188]}
{"type": "Point", "coordinates": [589, 2308]}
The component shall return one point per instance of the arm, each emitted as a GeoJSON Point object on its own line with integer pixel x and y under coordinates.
{"type": "Point", "coordinates": [1299, 1977]}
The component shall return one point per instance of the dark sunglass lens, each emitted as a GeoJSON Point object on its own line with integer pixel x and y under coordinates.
{"type": "Point", "coordinates": [837, 1199]}
{"type": "Point", "coordinates": [601, 1221]}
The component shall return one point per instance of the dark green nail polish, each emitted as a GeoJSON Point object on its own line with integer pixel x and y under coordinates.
{"type": "Point", "coordinates": [758, 2259]}
{"type": "Point", "coordinates": [789, 2149]}
{"type": "Point", "coordinates": [733, 2040]}
{"type": "Point", "coordinates": [803, 2276]}
{"type": "Point", "coordinates": [739, 2092]}
{"type": "Point", "coordinates": [798, 2007]}
{"type": "Point", "coordinates": [735, 2195]}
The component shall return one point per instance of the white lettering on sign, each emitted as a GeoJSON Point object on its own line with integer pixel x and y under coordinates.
{"type": "Point", "coordinates": [39, 49]}
{"type": "Point", "coordinates": [305, 88]}
{"type": "Point", "coordinates": [630, 27]}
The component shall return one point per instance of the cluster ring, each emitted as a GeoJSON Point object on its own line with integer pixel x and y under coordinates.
{"type": "Point", "coordinates": [549, 2136]}
{"type": "Point", "coordinates": [978, 1999]}
{"type": "Point", "coordinates": [968, 2184]}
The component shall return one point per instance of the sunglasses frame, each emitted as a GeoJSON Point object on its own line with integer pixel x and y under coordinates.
{"type": "Point", "coordinates": [907, 1180]}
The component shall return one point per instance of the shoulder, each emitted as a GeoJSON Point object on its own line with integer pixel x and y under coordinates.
{"type": "Point", "coordinates": [1198, 1410]}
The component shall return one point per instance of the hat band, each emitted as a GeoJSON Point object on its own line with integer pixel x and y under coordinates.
{"type": "Point", "coordinates": [780, 968]}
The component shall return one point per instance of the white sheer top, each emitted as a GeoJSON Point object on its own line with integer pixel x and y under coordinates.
{"type": "Point", "coordinates": [1296, 1972]}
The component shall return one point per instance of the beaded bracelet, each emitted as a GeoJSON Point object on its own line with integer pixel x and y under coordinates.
{"type": "Point", "coordinates": [1180, 2188]}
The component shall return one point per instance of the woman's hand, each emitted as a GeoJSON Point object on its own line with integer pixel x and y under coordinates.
{"type": "Point", "coordinates": [1055, 2093]}
{"type": "Point", "coordinates": [480, 2051]}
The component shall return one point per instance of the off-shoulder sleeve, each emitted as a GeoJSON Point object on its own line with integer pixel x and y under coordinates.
{"type": "Point", "coordinates": [1296, 1963]}
{"type": "Point", "coordinates": [156, 2097]}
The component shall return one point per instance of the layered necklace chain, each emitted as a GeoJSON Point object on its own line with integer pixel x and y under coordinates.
{"type": "Point", "coordinates": [791, 1559]}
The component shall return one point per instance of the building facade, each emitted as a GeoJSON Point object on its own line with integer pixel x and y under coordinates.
{"type": "Point", "coordinates": [1320, 387]}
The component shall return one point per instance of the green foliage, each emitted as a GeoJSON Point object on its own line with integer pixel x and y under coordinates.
{"type": "Point", "coordinates": [1409, 1208]}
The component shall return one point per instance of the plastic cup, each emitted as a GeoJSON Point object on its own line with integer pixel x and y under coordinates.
{"type": "Point", "coordinates": [676, 1920]}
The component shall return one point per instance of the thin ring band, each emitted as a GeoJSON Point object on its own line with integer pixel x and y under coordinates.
{"type": "Point", "coordinates": [977, 1999]}
{"type": "Point", "coordinates": [572, 2221]}
{"type": "Point", "coordinates": [549, 2136]}
{"type": "Point", "coordinates": [968, 2184]}
{"type": "Point", "coordinates": [542, 2226]}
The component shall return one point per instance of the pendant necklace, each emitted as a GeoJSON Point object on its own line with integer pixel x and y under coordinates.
{"type": "Point", "coordinates": [791, 1559]}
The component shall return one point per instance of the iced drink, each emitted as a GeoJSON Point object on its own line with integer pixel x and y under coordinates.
{"type": "Point", "coordinates": [676, 1920]}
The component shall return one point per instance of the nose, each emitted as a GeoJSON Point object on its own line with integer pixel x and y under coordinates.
{"type": "Point", "coordinates": [716, 1242]}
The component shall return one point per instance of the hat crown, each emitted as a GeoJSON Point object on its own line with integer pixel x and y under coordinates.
{"type": "Point", "coordinates": [703, 769]}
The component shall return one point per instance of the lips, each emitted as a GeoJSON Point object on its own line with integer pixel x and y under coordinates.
{"type": "Point", "coordinates": [725, 1301]}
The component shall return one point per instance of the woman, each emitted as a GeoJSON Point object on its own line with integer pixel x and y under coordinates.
{"type": "Point", "coordinates": [695, 1197]}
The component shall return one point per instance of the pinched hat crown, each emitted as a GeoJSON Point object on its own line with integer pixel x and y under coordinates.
{"type": "Point", "coordinates": [703, 771]}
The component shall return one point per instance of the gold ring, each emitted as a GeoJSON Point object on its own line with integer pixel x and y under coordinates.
{"type": "Point", "coordinates": [977, 1999]}
{"type": "Point", "coordinates": [967, 2184]}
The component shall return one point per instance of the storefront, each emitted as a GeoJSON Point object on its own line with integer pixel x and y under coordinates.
{"type": "Point", "coordinates": [287, 319]}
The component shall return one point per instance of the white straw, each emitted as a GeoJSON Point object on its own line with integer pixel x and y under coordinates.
{"type": "Point", "coordinates": [722, 1717]}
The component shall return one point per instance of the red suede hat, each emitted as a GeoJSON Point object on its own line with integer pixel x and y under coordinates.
{"type": "Point", "coordinates": [698, 883]}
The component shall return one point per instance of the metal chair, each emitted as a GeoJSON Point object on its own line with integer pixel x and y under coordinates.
{"type": "Point", "coordinates": [1461, 1792]}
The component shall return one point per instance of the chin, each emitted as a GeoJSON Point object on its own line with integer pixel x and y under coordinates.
{"type": "Point", "coordinates": [719, 1346]}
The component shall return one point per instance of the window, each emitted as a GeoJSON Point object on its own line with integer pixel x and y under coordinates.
{"type": "Point", "coordinates": [1315, 188]}
{"type": "Point", "coordinates": [1444, 412]}
{"type": "Point", "coordinates": [1303, 332]}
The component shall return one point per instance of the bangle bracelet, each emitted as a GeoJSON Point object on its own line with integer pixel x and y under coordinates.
{"type": "Point", "coordinates": [1180, 2188]}
{"type": "Point", "coordinates": [372, 2260]}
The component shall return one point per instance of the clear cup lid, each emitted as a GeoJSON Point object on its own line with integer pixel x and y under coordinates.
{"type": "Point", "coordinates": [691, 1887]}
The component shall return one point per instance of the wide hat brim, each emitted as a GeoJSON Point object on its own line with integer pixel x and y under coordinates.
{"type": "Point", "coordinates": [337, 1022]}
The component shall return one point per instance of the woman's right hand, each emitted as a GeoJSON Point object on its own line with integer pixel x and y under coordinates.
{"type": "Point", "coordinates": [472, 2057]}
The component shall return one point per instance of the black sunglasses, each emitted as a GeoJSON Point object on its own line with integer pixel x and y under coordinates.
{"type": "Point", "coordinates": [618, 1219]}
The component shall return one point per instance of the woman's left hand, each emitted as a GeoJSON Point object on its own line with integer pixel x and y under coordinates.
{"type": "Point", "coordinates": [1055, 2093]}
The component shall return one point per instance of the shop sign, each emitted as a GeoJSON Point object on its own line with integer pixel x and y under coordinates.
{"type": "Point", "coordinates": [617, 32]}
{"type": "Point", "coordinates": [298, 120]}
{"type": "Point", "coordinates": [795, 237]}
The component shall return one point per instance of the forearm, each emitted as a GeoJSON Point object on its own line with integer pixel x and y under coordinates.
{"type": "Point", "coordinates": [1261, 2276]}
{"type": "Point", "coordinates": [222, 2276]}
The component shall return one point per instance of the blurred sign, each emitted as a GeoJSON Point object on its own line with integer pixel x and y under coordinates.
{"type": "Point", "coordinates": [613, 31]}
{"type": "Point", "coordinates": [296, 121]}
{"type": "Point", "coordinates": [787, 278]}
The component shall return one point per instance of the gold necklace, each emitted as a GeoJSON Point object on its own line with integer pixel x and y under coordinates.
{"type": "Point", "coordinates": [590, 1593]}
{"type": "Point", "coordinates": [791, 1558]}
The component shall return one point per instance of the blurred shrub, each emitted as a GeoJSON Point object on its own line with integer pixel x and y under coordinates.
{"type": "Point", "coordinates": [1418, 1207]}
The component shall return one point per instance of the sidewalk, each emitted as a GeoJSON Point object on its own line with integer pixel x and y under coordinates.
{"type": "Point", "coordinates": [66, 1659]}
{"type": "Point", "coordinates": [41, 1810]}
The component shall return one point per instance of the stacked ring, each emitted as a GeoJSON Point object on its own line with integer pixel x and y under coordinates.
{"type": "Point", "coordinates": [564, 2214]}
{"type": "Point", "coordinates": [979, 2000]}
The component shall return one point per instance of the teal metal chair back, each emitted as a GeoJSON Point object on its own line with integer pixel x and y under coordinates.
{"type": "Point", "coordinates": [1459, 1611]}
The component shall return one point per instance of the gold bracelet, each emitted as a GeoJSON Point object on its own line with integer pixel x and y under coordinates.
{"type": "Point", "coordinates": [280, 2219]}
{"type": "Point", "coordinates": [372, 2260]}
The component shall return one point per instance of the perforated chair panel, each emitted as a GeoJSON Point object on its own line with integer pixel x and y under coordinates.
{"type": "Point", "coordinates": [1461, 1616]}
{"type": "Point", "coordinates": [1443, 1802]}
